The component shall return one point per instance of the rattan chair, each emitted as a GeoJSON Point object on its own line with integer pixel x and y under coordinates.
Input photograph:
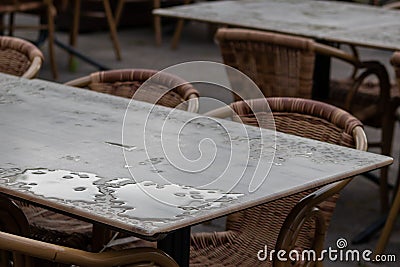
{"type": "Point", "coordinates": [48, 226]}
{"type": "Point", "coordinates": [295, 222]}
{"type": "Point", "coordinates": [395, 208]}
{"type": "Point", "coordinates": [19, 57]}
{"type": "Point", "coordinates": [283, 65]}
{"type": "Point", "coordinates": [23, 249]}
{"type": "Point", "coordinates": [162, 89]}
{"type": "Point", "coordinates": [43, 7]}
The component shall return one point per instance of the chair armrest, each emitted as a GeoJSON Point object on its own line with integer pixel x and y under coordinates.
{"type": "Point", "coordinates": [66, 255]}
{"type": "Point", "coordinates": [370, 68]}
{"type": "Point", "coordinates": [300, 214]}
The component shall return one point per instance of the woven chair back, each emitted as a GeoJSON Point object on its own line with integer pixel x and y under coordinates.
{"type": "Point", "coordinates": [254, 228]}
{"type": "Point", "coordinates": [17, 55]}
{"type": "Point", "coordinates": [141, 84]}
{"type": "Point", "coordinates": [280, 65]}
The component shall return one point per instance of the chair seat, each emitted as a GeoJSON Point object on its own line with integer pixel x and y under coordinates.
{"type": "Point", "coordinates": [367, 95]}
{"type": "Point", "coordinates": [52, 227]}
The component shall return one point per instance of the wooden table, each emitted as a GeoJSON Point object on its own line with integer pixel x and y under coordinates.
{"type": "Point", "coordinates": [88, 155]}
{"type": "Point", "coordinates": [328, 21]}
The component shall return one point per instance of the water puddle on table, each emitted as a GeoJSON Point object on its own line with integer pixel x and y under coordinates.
{"type": "Point", "coordinates": [60, 184]}
{"type": "Point", "coordinates": [169, 201]}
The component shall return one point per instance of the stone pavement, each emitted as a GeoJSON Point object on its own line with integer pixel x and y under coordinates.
{"type": "Point", "coordinates": [359, 202]}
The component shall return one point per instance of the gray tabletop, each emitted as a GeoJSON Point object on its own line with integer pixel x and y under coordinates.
{"type": "Point", "coordinates": [326, 20]}
{"type": "Point", "coordinates": [149, 169]}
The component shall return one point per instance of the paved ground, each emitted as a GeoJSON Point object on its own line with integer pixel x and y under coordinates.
{"type": "Point", "coordinates": [359, 204]}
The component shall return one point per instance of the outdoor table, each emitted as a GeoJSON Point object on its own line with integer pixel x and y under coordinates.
{"type": "Point", "coordinates": [148, 170]}
{"type": "Point", "coordinates": [325, 21]}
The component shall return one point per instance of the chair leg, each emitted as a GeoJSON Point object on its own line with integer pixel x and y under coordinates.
{"type": "Point", "coordinates": [178, 30]}
{"type": "Point", "coordinates": [157, 23]}
{"type": "Point", "coordinates": [387, 138]}
{"type": "Point", "coordinates": [177, 34]}
{"type": "Point", "coordinates": [50, 21]}
{"type": "Point", "coordinates": [73, 36]}
{"type": "Point", "coordinates": [384, 237]}
{"type": "Point", "coordinates": [118, 11]}
{"type": "Point", "coordinates": [113, 28]}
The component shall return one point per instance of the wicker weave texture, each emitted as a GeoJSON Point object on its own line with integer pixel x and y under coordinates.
{"type": "Point", "coordinates": [17, 55]}
{"type": "Point", "coordinates": [285, 67]}
{"type": "Point", "coordinates": [250, 230]}
{"type": "Point", "coordinates": [144, 85]}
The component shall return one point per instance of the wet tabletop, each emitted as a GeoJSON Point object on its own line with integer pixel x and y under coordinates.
{"type": "Point", "coordinates": [149, 169]}
{"type": "Point", "coordinates": [327, 20]}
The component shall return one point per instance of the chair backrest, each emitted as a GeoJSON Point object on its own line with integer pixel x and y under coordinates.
{"type": "Point", "coordinates": [19, 57]}
{"type": "Point", "coordinates": [302, 117]}
{"type": "Point", "coordinates": [285, 67]}
{"type": "Point", "coordinates": [160, 88]}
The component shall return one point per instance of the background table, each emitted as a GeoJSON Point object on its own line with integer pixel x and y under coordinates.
{"type": "Point", "coordinates": [62, 148]}
{"type": "Point", "coordinates": [330, 21]}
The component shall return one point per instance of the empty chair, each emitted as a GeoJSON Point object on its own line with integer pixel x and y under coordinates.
{"type": "Point", "coordinates": [19, 57]}
{"type": "Point", "coordinates": [395, 208]}
{"type": "Point", "coordinates": [162, 89]}
{"type": "Point", "coordinates": [283, 65]}
{"type": "Point", "coordinates": [24, 248]}
{"type": "Point", "coordinates": [45, 8]}
{"type": "Point", "coordinates": [296, 222]}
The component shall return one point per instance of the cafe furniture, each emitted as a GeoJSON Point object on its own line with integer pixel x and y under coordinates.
{"type": "Point", "coordinates": [115, 162]}
{"type": "Point", "coordinates": [395, 208]}
{"type": "Point", "coordinates": [296, 222]}
{"type": "Point", "coordinates": [128, 83]}
{"type": "Point", "coordinates": [11, 7]}
{"type": "Point", "coordinates": [22, 247]}
{"type": "Point", "coordinates": [287, 69]}
{"type": "Point", "coordinates": [19, 57]}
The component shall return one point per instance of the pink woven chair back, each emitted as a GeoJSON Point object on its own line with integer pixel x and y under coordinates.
{"type": "Point", "coordinates": [285, 67]}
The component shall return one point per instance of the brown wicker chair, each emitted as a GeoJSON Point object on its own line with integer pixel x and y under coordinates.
{"type": "Point", "coordinates": [19, 57]}
{"type": "Point", "coordinates": [294, 222]}
{"type": "Point", "coordinates": [51, 227]}
{"type": "Point", "coordinates": [44, 8]}
{"type": "Point", "coordinates": [395, 208]}
{"type": "Point", "coordinates": [286, 69]}
{"type": "Point", "coordinates": [126, 82]}
{"type": "Point", "coordinates": [24, 249]}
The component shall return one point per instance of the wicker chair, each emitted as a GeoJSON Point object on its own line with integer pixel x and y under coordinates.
{"type": "Point", "coordinates": [19, 57]}
{"type": "Point", "coordinates": [294, 222]}
{"type": "Point", "coordinates": [286, 68]}
{"type": "Point", "coordinates": [51, 227]}
{"type": "Point", "coordinates": [48, 10]}
{"type": "Point", "coordinates": [395, 208]}
{"type": "Point", "coordinates": [24, 249]}
{"type": "Point", "coordinates": [125, 83]}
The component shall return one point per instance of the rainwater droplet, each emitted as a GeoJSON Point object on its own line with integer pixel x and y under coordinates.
{"type": "Point", "coordinates": [79, 189]}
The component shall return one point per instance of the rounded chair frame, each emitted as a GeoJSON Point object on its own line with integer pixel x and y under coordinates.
{"type": "Point", "coordinates": [174, 83]}
{"type": "Point", "coordinates": [12, 46]}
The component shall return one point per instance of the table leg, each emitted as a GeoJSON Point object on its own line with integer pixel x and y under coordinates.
{"type": "Point", "coordinates": [321, 78]}
{"type": "Point", "coordinates": [177, 245]}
